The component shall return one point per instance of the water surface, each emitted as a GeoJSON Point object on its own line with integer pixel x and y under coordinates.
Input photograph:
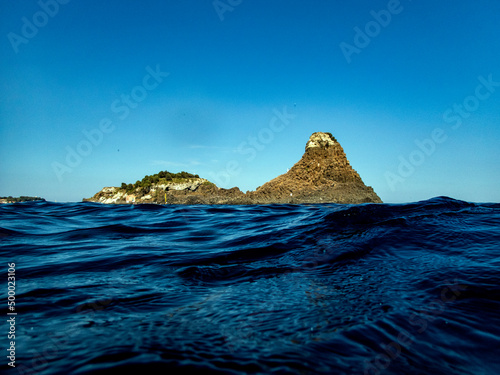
{"type": "Point", "coordinates": [328, 289]}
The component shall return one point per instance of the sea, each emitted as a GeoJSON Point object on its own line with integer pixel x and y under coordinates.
{"type": "Point", "coordinates": [258, 289]}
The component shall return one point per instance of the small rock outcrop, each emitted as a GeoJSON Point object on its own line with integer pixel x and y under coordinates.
{"type": "Point", "coordinates": [322, 175]}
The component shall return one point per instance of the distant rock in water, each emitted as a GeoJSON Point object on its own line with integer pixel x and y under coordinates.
{"type": "Point", "coordinates": [322, 175]}
{"type": "Point", "coordinates": [20, 199]}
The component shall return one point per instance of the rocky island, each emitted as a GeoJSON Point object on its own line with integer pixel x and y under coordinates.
{"type": "Point", "coordinates": [322, 175]}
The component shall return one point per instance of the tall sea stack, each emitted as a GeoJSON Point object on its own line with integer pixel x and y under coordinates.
{"type": "Point", "coordinates": [323, 174]}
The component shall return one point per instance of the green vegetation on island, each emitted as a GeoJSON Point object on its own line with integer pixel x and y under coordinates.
{"type": "Point", "coordinates": [162, 177]}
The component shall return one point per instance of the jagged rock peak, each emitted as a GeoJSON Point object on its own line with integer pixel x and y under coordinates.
{"type": "Point", "coordinates": [321, 140]}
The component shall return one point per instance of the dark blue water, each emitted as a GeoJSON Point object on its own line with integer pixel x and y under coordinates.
{"type": "Point", "coordinates": [305, 289]}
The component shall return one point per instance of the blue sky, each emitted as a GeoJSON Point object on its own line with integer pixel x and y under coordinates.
{"type": "Point", "coordinates": [97, 93]}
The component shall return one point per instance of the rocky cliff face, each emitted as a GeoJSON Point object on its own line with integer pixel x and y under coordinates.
{"type": "Point", "coordinates": [183, 191]}
{"type": "Point", "coordinates": [322, 175]}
